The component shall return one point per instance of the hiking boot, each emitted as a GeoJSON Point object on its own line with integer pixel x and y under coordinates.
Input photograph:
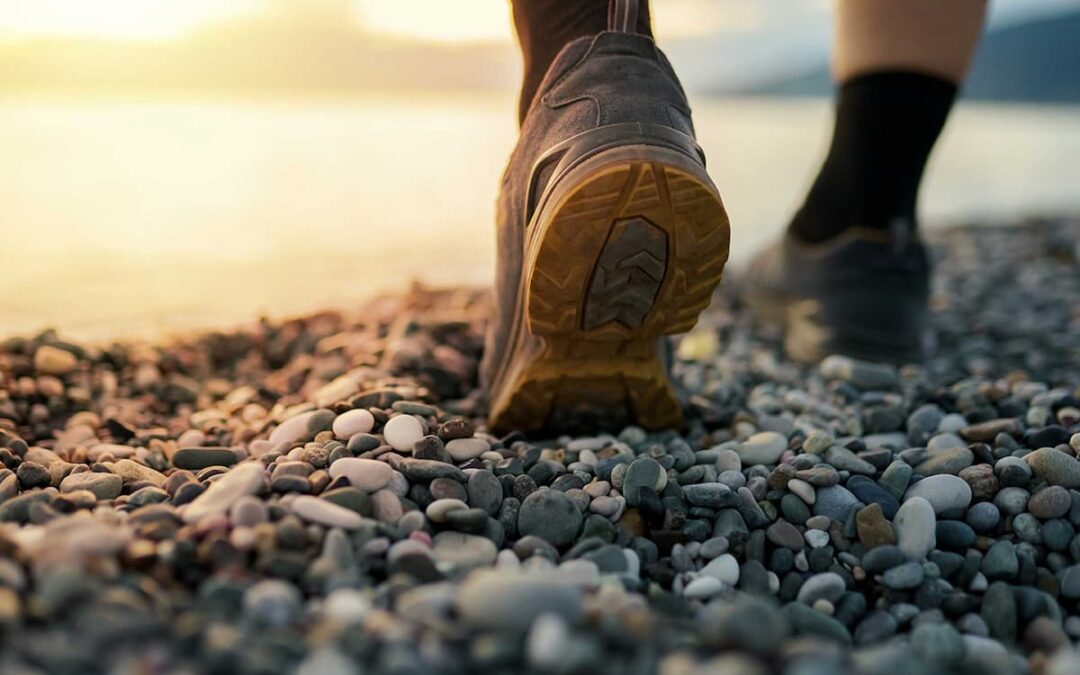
{"type": "Point", "coordinates": [610, 236]}
{"type": "Point", "coordinates": [864, 293]}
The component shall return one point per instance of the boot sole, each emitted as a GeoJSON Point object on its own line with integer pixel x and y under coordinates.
{"type": "Point", "coordinates": [628, 247]}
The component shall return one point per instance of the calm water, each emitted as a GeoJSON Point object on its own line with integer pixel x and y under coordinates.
{"type": "Point", "coordinates": [131, 218]}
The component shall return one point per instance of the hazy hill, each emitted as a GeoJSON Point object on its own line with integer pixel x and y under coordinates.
{"type": "Point", "coordinates": [1037, 60]}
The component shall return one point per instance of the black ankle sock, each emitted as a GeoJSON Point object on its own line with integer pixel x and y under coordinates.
{"type": "Point", "coordinates": [544, 26]}
{"type": "Point", "coordinates": [886, 125]}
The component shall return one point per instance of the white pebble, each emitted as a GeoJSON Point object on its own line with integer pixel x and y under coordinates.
{"type": "Point", "coordinates": [402, 432]}
{"type": "Point", "coordinates": [352, 422]}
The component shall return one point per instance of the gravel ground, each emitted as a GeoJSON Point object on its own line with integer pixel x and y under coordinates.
{"type": "Point", "coordinates": [320, 496]}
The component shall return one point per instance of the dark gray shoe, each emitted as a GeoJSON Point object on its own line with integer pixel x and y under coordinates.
{"type": "Point", "coordinates": [864, 294]}
{"type": "Point", "coordinates": [610, 236]}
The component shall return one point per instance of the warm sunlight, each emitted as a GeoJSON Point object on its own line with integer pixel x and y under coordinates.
{"type": "Point", "coordinates": [457, 21]}
{"type": "Point", "coordinates": [117, 19]}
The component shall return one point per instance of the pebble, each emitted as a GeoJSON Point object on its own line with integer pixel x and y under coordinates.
{"type": "Point", "coordinates": [945, 493]}
{"type": "Point", "coordinates": [915, 527]}
{"type": "Point", "coordinates": [352, 422]}
{"type": "Point", "coordinates": [369, 475]}
{"type": "Point", "coordinates": [762, 448]}
{"type": "Point", "coordinates": [402, 432]}
{"type": "Point", "coordinates": [464, 449]}
{"type": "Point", "coordinates": [836, 502]}
{"type": "Point", "coordinates": [551, 516]}
{"type": "Point", "coordinates": [513, 601]}
{"type": "Point", "coordinates": [102, 485]}
{"type": "Point", "coordinates": [1054, 467]}
{"type": "Point", "coordinates": [326, 513]}
{"type": "Point", "coordinates": [1051, 502]}
{"type": "Point", "coordinates": [301, 427]}
{"type": "Point", "coordinates": [825, 586]}
{"type": "Point", "coordinates": [200, 458]}
{"type": "Point", "coordinates": [246, 479]}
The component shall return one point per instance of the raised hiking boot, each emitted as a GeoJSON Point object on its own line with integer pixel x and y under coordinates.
{"type": "Point", "coordinates": [610, 236]}
{"type": "Point", "coordinates": [864, 293]}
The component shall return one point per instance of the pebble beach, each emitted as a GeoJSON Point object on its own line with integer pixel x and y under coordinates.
{"type": "Point", "coordinates": [321, 496]}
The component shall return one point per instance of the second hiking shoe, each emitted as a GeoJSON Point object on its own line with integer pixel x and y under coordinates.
{"type": "Point", "coordinates": [610, 236]}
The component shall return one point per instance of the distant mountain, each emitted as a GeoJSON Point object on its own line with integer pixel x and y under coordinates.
{"type": "Point", "coordinates": [1036, 61]}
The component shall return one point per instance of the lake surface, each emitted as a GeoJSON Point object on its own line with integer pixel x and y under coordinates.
{"type": "Point", "coordinates": [139, 218]}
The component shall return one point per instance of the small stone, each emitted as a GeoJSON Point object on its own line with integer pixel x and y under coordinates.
{"type": "Point", "coordinates": [102, 485]}
{"type": "Point", "coordinates": [825, 586]}
{"type": "Point", "coordinates": [485, 492]}
{"type": "Point", "coordinates": [762, 448]}
{"type": "Point", "coordinates": [1000, 562]}
{"type": "Point", "coordinates": [946, 461]}
{"type": "Point", "coordinates": [50, 360]}
{"type": "Point", "coordinates": [873, 529]}
{"type": "Point", "coordinates": [402, 432]}
{"type": "Point", "coordinates": [999, 611]}
{"type": "Point", "coordinates": [463, 551]}
{"type": "Point", "coordinates": [302, 427]}
{"type": "Point", "coordinates": [369, 475]}
{"type": "Point", "coordinates": [817, 442]}
{"type": "Point", "coordinates": [643, 472]}
{"type": "Point", "coordinates": [501, 601]}
{"type": "Point", "coordinates": [1055, 467]}
{"type": "Point", "coordinates": [550, 515]}
{"type": "Point", "coordinates": [200, 458]}
{"type": "Point", "coordinates": [33, 475]}
{"type": "Point", "coordinates": [325, 512]}
{"type": "Point", "coordinates": [725, 568]}
{"type": "Point", "coordinates": [836, 502]}
{"type": "Point", "coordinates": [944, 492]}
{"type": "Point", "coordinates": [903, 577]}
{"type": "Point", "coordinates": [245, 479]}
{"type": "Point", "coordinates": [703, 587]}
{"type": "Point", "coordinates": [783, 533]}
{"type": "Point", "coordinates": [438, 510]}
{"type": "Point", "coordinates": [1050, 502]}
{"type": "Point", "coordinates": [352, 422]}
{"type": "Point", "coordinates": [272, 603]}
{"type": "Point", "coordinates": [464, 449]}
{"type": "Point", "coordinates": [915, 527]}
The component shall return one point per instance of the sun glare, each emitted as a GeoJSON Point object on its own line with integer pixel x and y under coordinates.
{"type": "Point", "coordinates": [113, 19]}
{"type": "Point", "coordinates": [438, 20]}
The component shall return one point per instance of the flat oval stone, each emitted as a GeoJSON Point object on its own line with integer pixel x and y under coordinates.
{"type": "Point", "coordinates": [835, 502]}
{"type": "Point", "coordinates": [762, 448]}
{"type": "Point", "coordinates": [947, 460]}
{"type": "Point", "coordinates": [302, 427]}
{"type": "Point", "coordinates": [438, 510]}
{"type": "Point", "coordinates": [1050, 502]}
{"type": "Point", "coordinates": [825, 586]}
{"type": "Point", "coordinates": [245, 479]}
{"type": "Point", "coordinates": [200, 458]}
{"type": "Point", "coordinates": [944, 492]}
{"type": "Point", "coordinates": [1055, 467]}
{"type": "Point", "coordinates": [868, 492]}
{"type": "Point", "coordinates": [550, 515]}
{"type": "Point", "coordinates": [464, 449]}
{"type": "Point", "coordinates": [352, 422]}
{"type": "Point", "coordinates": [102, 485]}
{"type": "Point", "coordinates": [916, 528]}
{"type": "Point", "coordinates": [369, 475]}
{"type": "Point", "coordinates": [402, 432]}
{"type": "Point", "coordinates": [324, 512]}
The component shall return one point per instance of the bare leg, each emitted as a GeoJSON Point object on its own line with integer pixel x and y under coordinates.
{"type": "Point", "coordinates": [935, 37]}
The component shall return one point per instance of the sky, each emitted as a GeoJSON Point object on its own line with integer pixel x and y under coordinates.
{"type": "Point", "coordinates": [422, 20]}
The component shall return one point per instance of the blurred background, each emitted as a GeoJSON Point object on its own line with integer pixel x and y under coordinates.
{"type": "Point", "coordinates": [178, 164]}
